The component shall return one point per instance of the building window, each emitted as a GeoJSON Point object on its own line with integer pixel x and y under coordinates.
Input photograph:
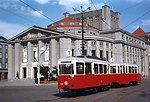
{"type": "Point", "coordinates": [71, 23]}
{"type": "Point", "coordinates": [101, 53]}
{"type": "Point", "coordinates": [72, 52]}
{"type": "Point", "coordinates": [107, 45]}
{"type": "Point", "coordinates": [101, 44]}
{"type": "Point", "coordinates": [93, 53]}
{"type": "Point", "coordinates": [126, 38]}
{"type": "Point", "coordinates": [25, 55]}
{"type": "Point", "coordinates": [6, 65]}
{"type": "Point", "coordinates": [122, 37]}
{"type": "Point", "coordinates": [0, 65]}
{"type": "Point", "coordinates": [0, 55]}
{"type": "Point", "coordinates": [107, 56]}
{"type": "Point", "coordinates": [85, 52]}
{"type": "Point", "coordinates": [6, 55]}
{"type": "Point", "coordinates": [6, 47]}
{"type": "Point", "coordinates": [94, 42]}
{"type": "Point", "coordinates": [0, 46]}
{"type": "Point", "coordinates": [111, 55]}
{"type": "Point", "coordinates": [79, 31]}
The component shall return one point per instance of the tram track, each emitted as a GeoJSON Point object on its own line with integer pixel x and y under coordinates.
{"type": "Point", "coordinates": [120, 94]}
{"type": "Point", "coordinates": [124, 93]}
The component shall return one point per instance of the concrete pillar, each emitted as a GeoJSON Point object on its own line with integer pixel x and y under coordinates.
{"type": "Point", "coordinates": [11, 70]}
{"type": "Point", "coordinates": [77, 48]}
{"type": "Point", "coordinates": [17, 58]}
{"type": "Point", "coordinates": [89, 50]}
{"type": "Point", "coordinates": [65, 44]}
{"type": "Point", "coordinates": [53, 53]}
{"type": "Point", "coordinates": [97, 49]}
{"type": "Point", "coordinates": [126, 60]}
{"type": "Point", "coordinates": [104, 47]}
{"type": "Point", "coordinates": [29, 60]}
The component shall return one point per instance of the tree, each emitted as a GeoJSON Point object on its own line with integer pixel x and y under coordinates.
{"type": "Point", "coordinates": [44, 71]}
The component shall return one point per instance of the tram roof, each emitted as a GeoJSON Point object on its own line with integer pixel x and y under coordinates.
{"type": "Point", "coordinates": [82, 59]}
{"type": "Point", "coordinates": [126, 64]}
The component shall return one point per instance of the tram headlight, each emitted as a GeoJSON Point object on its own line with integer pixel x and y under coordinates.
{"type": "Point", "coordinates": [66, 83]}
{"type": "Point", "coordinates": [72, 76]}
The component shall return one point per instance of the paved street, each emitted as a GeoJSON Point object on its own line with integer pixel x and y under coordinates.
{"type": "Point", "coordinates": [49, 93]}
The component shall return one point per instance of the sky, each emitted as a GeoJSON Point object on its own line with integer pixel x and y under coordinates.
{"type": "Point", "coordinates": [19, 15]}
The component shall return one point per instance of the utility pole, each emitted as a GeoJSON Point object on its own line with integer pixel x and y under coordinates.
{"type": "Point", "coordinates": [82, 12]}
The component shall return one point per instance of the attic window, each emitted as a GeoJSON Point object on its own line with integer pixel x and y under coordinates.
{"type": "Point", "coordinates": [79, 31]}
{"type": "Point", "coordinates": [61, 23]}
{"type": "Point", "coordinates": [71, 23]}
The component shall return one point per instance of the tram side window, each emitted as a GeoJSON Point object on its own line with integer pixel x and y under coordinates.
{"type": "Point", "coordinates": [130, 69]}
{"type": "Point", "coordinates": [80, 68]}
{"type": "Point", "coordinates": [135, 69]}
{"type": "Point", "coordinates": [100, 68]}
{"type": "Point", "coordinates": [95, 68]}
{"type": "Point", "coordinates": [105, 69]}
{"type": "Point", "coordinates": [126, 69]}
{"type": "Point", "coordinates": [88, 69]}
{"type": "Point", "coordinates": [66, 69]}
{"type": "Point", "coordinates": [118, 69]}
{"type": "Point", "coordinates": [113, 69]}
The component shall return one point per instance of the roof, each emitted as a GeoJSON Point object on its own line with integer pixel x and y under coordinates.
{"type": "Point", "coordinates": [68, 19]}
{"type": "Point", "coordinates": [68, 22]}
{"type": "Point", "coordinates": [3, 39]}
{"type": "Point", "coordinates": [35, 28]}
{"type": "Point", "coordinates": [139, 32]}
{"type": "Point", "coordinates": [81, 59]}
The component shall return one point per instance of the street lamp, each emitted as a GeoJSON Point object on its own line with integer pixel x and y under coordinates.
{"type": "Point", "coordinates": [40, 52]}
{"type": "Point", "coordinates": [82, 12]}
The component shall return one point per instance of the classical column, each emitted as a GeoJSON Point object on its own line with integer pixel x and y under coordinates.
{"type": "Point", "coordinates": [17, 58]}
{"type": "Point", "coordinates": [65, 44]}
{"type": "Point", "coordinates": [53, 53]}
{"type": "Point", "coordinates": [77, 48]}
{"type": "Point", "coordinates": [40, 45]}
{"type": "Point", "coordinates": [29, 46]}
{"type": "Point", "coordinates": [89, 48]}
{"type": "Point", "coordinates": [104, 47]}
{"type": "Point", "coordinates": [11, 70]}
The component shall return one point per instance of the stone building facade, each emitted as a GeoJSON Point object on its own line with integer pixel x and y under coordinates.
{"type": "Point", "coordinates": [3, 58]}
{"type": "Point", "coordinates": [110, 44]}
{"type": "Point", "coordinates": [102, 19]}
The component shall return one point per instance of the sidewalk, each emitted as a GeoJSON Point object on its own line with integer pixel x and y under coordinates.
{"type": "Point", "coordinates": [6, 83]}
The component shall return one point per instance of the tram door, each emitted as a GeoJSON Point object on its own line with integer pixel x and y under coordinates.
{"type": "Point", "coordinates": [88, 67]}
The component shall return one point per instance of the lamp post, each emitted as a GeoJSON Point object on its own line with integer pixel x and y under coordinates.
{"type": "Point", "coordinates": [82, 12]}
{"type": "Point", "coordinates": [40, 52]}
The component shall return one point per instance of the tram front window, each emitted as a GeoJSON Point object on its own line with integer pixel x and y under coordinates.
{"type": "Point", "coordinates": [66, 69]}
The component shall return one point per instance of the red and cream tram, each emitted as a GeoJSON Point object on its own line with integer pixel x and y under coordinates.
{"type": "Point", "coordinates": [76, 73]}
{"type": "Point", "coordinates": [125, 74]}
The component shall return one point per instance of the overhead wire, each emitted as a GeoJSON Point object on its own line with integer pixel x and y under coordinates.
{"type": "Point", "coordinates": [37, 11]}
{"type": "Point", "coordinates": [132, 6]}
{"type": "Point", "coordinates": [137, 18]}
{"type": "Point", "coordinates": [40, 13]}
{"type": "Point", "coordinates": [19, 16]}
